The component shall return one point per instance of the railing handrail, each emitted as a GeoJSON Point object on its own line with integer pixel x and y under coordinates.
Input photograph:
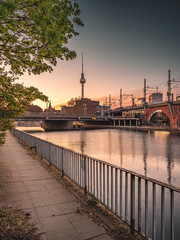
{"type": "Point", "coordinates": [171, 187]}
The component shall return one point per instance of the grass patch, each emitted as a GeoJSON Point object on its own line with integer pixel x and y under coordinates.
{"type": "Point", "coordinates": [92, 202]}
{"type": "Point", "coordinates": [14, 224]}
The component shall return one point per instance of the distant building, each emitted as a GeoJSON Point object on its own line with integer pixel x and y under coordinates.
{"type": "Point", "coordinates": [82, 107]}
{"type": "Point", "coordinates": [66, 111]}
{"type": "Point", "coordinates": [156, 98]}
{"type": "Point", "coordinates": [87, 107]}
{"type": "Point", "coordinates": [34, 108]}
{"type": "Point", "coordinates": [140, 101]}
{"type": "Point", "coordinates": [103, 110]}
{"type": "Point", "coordinates": [50, 109]}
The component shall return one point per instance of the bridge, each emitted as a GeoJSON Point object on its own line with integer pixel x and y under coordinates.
{"type": "Point", "coordinates": [55, 123]}
{"type": "Point", "coordinates": [75, 122]}
{"type": "Point", "coordinates": [165, 115]}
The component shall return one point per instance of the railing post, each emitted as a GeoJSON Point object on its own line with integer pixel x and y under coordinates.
{"type": "Point", "coordinates": [85, 177]}
{"type": "Point", "coordinates": [94, 187]}
{"type": "Point", "coordinates": [154, 213]}
{"type": "Point", "coordinates": [100, 174]}
{"type": "Point", "coordinates": [103, 183]}
{"type": "Point", "coordinates": [139, 204]}
{"type": "Point", "coordinates": [76, 171]}
{"type": "Point", "coordinates": [88, 175]}
{"type": "Point", "coordinates": [116, 191]}
{"type": "Point", "coordinates": [73, 164]}
{"type": "Point", "coordinates": [49, 154]}
{"type": "Point", "coordinates": [80, 169]}
{"type": "Point", "coordinates": [162, 212]}
{"type": "Point", "coordinates": [35, 147]}
{"type": "Point", "coordinates": [97, 180]}
{"type": "Point", "coordinates": [108, 186]}
{"type": "Point", "coordinates": [172, 213]}
{"type": "Point", "coordinates": [62, 163]}
{"type": "Point", "coordinates": [112, 179]}
{"type": "Point", "coordinates": [126, 195]}
{"type": "Point", "coordinates": [91, 166]}
{"type": "Point", "coordinates": [120, 194]}
{"type": "Point", "coordinates": [146, 208]}
{"type": "Point", "coordinates": [41, 150]}
{"type": "Point", "coordinates": [132, 203]}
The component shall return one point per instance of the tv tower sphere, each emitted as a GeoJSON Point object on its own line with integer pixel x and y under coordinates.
{"type": "Point", "coordinates": [82, 80]}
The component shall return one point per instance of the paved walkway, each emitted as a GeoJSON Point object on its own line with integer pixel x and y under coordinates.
{"type": "Point", "coordinates": [25, 184]}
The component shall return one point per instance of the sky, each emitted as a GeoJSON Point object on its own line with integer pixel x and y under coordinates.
{"type": "Point", "coordinates": [123, 42]}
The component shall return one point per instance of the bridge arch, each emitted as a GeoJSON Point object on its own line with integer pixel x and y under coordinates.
{"type": "Point", "coordinates": [160, 118]}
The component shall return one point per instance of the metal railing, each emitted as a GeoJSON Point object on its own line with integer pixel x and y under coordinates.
{"type": "Point", "coordinates": [148, 206]}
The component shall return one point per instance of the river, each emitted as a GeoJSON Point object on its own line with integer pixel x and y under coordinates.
{"type": "Point", "coordinates": [153, 154]}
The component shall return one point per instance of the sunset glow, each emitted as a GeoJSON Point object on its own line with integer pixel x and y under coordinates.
{"type": "Point", "coordinates": [123, 43]}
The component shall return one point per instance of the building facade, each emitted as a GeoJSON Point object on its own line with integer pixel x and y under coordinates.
{"type": "Point", "coordinates": [156, 98]}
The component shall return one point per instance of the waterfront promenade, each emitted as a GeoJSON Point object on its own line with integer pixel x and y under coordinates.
{"type": "Point", "coordinates": [26, 185]}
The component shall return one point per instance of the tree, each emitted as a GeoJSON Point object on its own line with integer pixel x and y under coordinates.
{"type": "Point", "coordinates": [33, 35]}
{"type": "Point", "coordinates": [72, 102]}
{"type": "Point", "coordinates": [14, 99]}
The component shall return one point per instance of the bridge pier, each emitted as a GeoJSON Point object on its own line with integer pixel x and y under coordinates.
{"type": "Point", "coordinates": [175, 123]}
{"type": "Point", "coordinates": [54, 125]}
{"type": "Point", "coordinates": [125, 122]}
{"type": "Point", "coordinates": [67, 124]}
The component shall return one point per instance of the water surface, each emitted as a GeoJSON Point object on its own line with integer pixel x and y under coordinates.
{"type": "Point", "coordinates": [155, 154]}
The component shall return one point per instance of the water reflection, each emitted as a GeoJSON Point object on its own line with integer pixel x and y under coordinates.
{"type": "Point", "coordinates": [170, 159]}
{"type": "Point", "coordinates": [145, 152]}
{"type": "Point", "coordinates": [109, 143]}
{"type": "Point", "coordinates": [133, 145]}
{"type": "Point", "coordinates": [154, 154]}
{"type": "Point", "coordinates": [121, 150]}
{"type": "Point", "coordinates": [82, 141]}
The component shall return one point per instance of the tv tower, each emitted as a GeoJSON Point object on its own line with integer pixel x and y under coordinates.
{"type": "Point", "coordinates": [82, 80]}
